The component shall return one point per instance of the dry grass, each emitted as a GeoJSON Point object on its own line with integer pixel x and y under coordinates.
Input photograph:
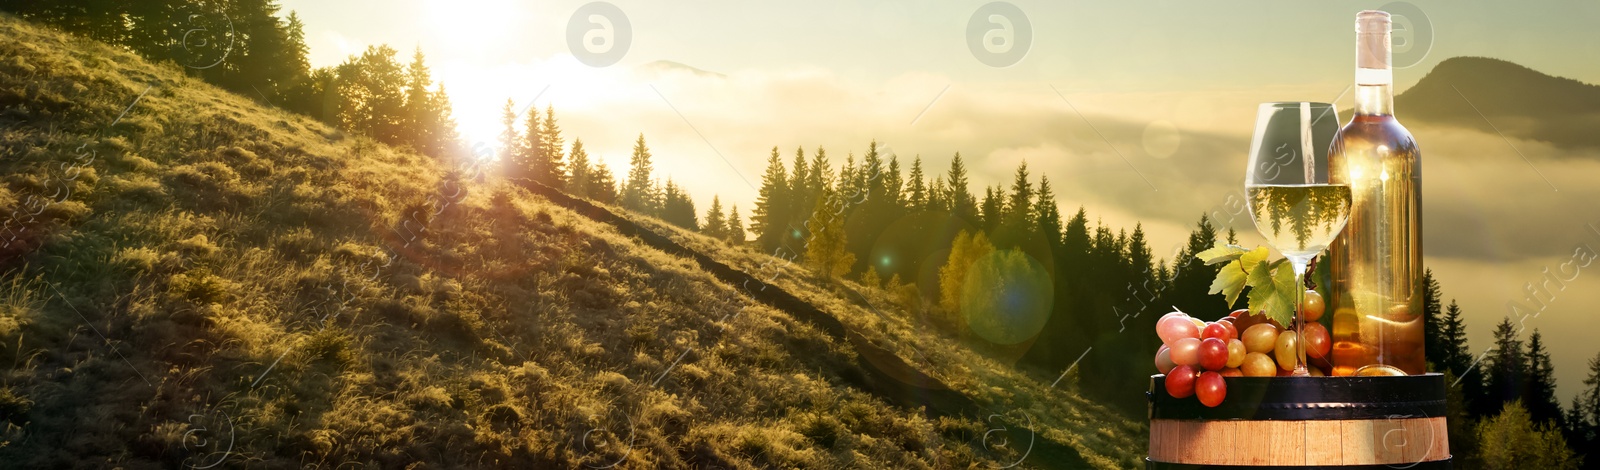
{"type": "Point", "coordinates": [219, 287]}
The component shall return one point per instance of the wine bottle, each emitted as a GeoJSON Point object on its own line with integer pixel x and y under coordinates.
{"type": "Point", "coordinates": [1376, 263]}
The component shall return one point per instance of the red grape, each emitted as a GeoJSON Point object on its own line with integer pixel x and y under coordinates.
{"type": "Point", "coordinates": [1233, 331]}
{"type": "Point", "coordinates": [1248, 320]}
{"type": "Point", "coordinates": [1318, 344]}
{"type": "Point", "coordinates": [1173, 328]}
{"type": "Point", "coordinates": [1180, 382]}
{"type": "Point", "coordinates": [1213, 354]}
{"type": "Point", "coordinates": [1164, 359]}
{"type": "Point", "coordinates": [1215, 330]}
{"type": "Point", "coordinates": [1210, 389]}
{"type": "Point", "coordinates": [1186, 352]}
{"type": "Point", "coordinates": [1312, 305]}
{"type": "Point", "coordinates": [1237, 313]}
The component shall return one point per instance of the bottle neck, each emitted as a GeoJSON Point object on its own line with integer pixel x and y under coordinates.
{"type": "Point", "coordinates": [1375, 100]}
{"type": "Point", "coordinates": [1374, 76]}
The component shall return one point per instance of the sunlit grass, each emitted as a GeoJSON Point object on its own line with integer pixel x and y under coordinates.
{"type": "Point", "coordinates": [226, 293]}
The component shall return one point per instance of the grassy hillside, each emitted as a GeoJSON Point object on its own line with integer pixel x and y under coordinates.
{"type": "Point", "coordinates": [191, 279]}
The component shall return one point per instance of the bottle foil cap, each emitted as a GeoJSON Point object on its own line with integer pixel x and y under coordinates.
{"type": "Point", "coordinates": [1372, 21]}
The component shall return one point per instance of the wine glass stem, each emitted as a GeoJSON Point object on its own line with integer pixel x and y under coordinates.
{"type": "Point", "coordinates": [1300, 264]}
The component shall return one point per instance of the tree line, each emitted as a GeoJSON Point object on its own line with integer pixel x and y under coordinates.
{"type": "Point", "coordinates": [968, 265]}
{"type": "Point", "coordinates": [924, 238]}
{"type": "Point", "coordinates": [1503, 411]}
{"type": "Point", "coordinates": [248, 47]}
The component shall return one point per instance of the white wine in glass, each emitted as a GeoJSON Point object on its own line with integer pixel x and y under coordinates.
{"type": "Point", "coordinates": [1287, 188]}
{"type": "Point", "coordinates": [1300, 220]}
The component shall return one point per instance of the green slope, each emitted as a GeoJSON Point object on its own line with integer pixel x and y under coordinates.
{"type": "Point", "coordinates": [190, 279]}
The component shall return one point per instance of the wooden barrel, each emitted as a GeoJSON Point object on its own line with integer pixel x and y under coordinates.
{"type": "Point", "coordinates": [1303, 422]}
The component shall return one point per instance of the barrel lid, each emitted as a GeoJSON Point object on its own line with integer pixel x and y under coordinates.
{"type": "Point", "coordinates": [1309, 398]}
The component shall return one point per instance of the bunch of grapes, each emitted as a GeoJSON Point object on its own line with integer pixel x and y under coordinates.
{"type": "Point", "coordinates": [1196, 354]}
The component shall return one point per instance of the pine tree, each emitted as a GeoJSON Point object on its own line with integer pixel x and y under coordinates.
{"type": "Point", "coordinates": [1583, 419]}
{"type": "Point", "coordinates": [603, 186]}
{"type": "Point", "coordinates": [735, 226]}
{"type": "Point", "coordinates": [533, 147]}
{"type": "Point", "coordinates": [295, 61]}
{"type": "Point", "coordinates": [1456, 356]}
{"type": "Point", "coordinates": [1020, 205]}
{"type": "Point", "coordinates": [821, 171]}
{"type": "Point", "coordinates": [580, 179]}
{"type": "Point", "coordinates": [1507, 369]}
{"type": "Point", "coordinates": [553, 168]}
{"type": "Point", "coordinates": [962, 203]}
{"type": "Point", "coordinates": [372, 88]}
{"type": "Point", "coordinates": [1017, 217]}
{"type": "Point", "coordinates": [893, 184]}
{"type": "Point", "coordinates": [638, 194]}
{"type": "Point", "coordinates": [917, 192]}
{"type": "Point", "coordinates": [939, 196]}
{"type": "Point", "coordinates": [800, 202]}
{"type": "Point", "coordinates": [1046, 215]}
{"type": "Point", "coordinates": [769, 218]}
{"type": "Point", "coordinates": [418, 120]}
{"type": "Point", "coordinates": [677, 208]}
{"type": "Point", "coordinates": [994, 207]}
{"type": "Point", "coordinates": [1432, 317]}
{"type": "Point", "coordinates": [510, 141]}
{"type": "Point", "coordinates": [1459, 425]}
{"type": "Point", "coordinates": [826, 252]}
{"type": "Point", "coordinates": [443, 140]}
{"type": "Point", "coordinates": [1540, 391]}
{"type": "Point", "coordinates": [851, 189]}
{"type": "Point", "coordinates": [1139, 259]}
{"type": "Point", "coordinates": [873, 179]}
{"type": "Point", "coordinates": [715, 226]}
{"type": "Point", "coordinates": [1453, 353]}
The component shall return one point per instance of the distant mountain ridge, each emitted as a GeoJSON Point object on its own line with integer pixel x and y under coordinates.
{"type": "Point", "coordinates": [1475, 92]}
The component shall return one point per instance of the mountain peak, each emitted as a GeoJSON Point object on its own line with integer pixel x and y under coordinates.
{"type": "Point", "coordinates": [1495, 95]}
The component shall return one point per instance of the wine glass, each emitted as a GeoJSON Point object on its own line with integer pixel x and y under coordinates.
{"type": "Point", "coordinates": [1286, 186]}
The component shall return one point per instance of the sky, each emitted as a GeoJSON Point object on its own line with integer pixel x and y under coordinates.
{"type": "Point", "coordinates": [1138, 111]}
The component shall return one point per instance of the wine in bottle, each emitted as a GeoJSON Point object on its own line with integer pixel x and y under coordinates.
{"type": "Point", "coordinates": [1376, 263]}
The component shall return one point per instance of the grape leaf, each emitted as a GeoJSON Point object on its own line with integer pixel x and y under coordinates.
{"type": "Point", "coordinates": [1273, 291]}
{"type": "Point", "coordinates": [1221, 253]}
{"type": "Point", "coordinates": [1235, 275]}
{"type": "Point", "coordinates": [1251, 259]}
